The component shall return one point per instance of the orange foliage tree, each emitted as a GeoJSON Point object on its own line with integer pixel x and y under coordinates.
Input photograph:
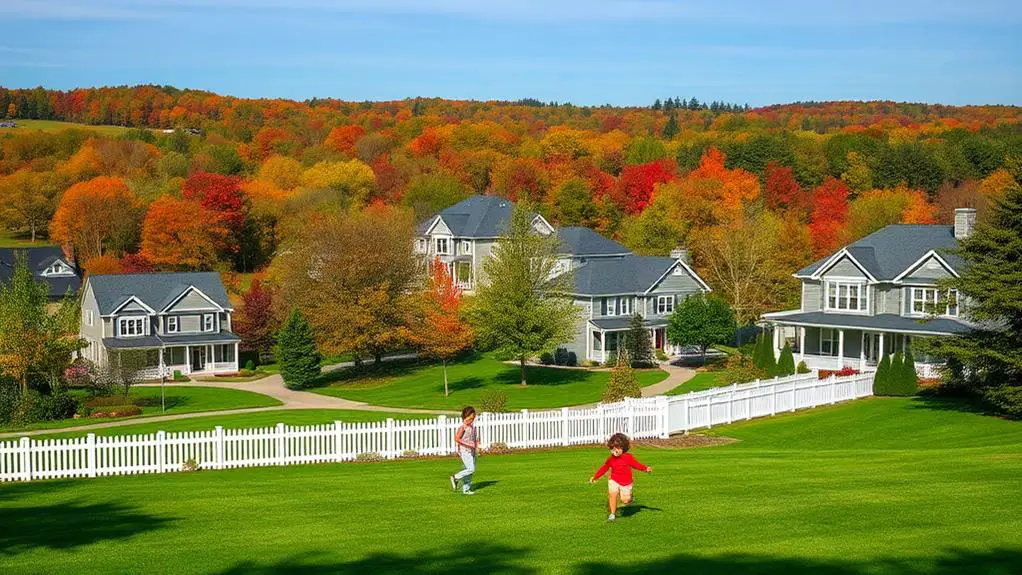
{"type": "Point", "coordinates": [181, 234]}
{"type": "Point", "coordinates": [95, 216]}
{"type": "Point", "coordinates": [104, 265]}
{"type": "Point", "coordinates": [439, 333]}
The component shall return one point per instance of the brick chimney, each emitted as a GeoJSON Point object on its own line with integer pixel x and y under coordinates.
{"type": "Point", "coordinates": [965, 221]}
{"type": "Point", "coordinates": [681, 254]}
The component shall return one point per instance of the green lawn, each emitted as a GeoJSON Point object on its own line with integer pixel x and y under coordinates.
{"type": "Point", "coordinates": [180, 399]}
{"type": "Point", "coordinates": [56, 126]}
{"type": "Point", "coordinates": [880, 486]}
{"type": "Point", "coordinates": [702, 380]}
{"type": "Point", "coordinates": [22, 239]}
{"type": "Point", "coordinates": [416, 384]}
{"type": "Point", "coordinates": [241, 420]}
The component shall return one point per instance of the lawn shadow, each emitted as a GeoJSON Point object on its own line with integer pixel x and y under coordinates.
{"type": "Point", "coordinates": [483, 485]}
{"type": "Point", "coordinates": [629, 510]}
{"type": "Point", "coordinates": [352, 375]}
{"type": "Point", "coordinates": [461, 384]}
{"type": "Point", "coordinates": [68, 524]}
{"type": "Point", "coordinates": [958, 404]}
{"type": "Point", "coordinates": [951, 562]}
{"type": "Point", "coordinates": [473, 558]}
{"type": "Point", "coordinates": [541, 376]}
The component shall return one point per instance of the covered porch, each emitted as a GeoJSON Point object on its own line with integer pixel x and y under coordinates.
{"type": "Point", "coordinates": [605, 336]}
{"type": "Point", "coordinates": [163, 358]}
{"type": "Point", "coordinates": [838, 341]}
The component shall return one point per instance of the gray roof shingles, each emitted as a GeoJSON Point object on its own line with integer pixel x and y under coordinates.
{"type": "Point", "coordinates": [38, 260]}
{"type": "Point", "coordinates": [155, 290]}
{"type": "Point", "coordinates": [154, 341]}
{"type": "Point", "coordinates": [620, 275]}
{"type": "Point", "coordinates": [620, 323]}
{"type": "Point", "coordinates": [475, 217]}
{"type": "Point", "coordinates": [884, 322]}
{"type": "Point", "coordinates": [578, 241]}
{"type": "Point", "coordinates": [888, 252]}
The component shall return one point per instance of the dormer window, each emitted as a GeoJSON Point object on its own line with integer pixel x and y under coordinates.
{"type": "Point", "coordinates": [131, 326]}
{"type": "Point", "coordinates": [173, 324]}
{"type": "Point", "coordinates": [207, 321]}
{"type": "Point", "coordinates": [57, 269]}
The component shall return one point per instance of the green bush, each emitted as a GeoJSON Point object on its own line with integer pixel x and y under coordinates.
{"type": "Point", "coordinates": [660, 355]}
{"type": "Point", "coordinates": [60, 405]}
{"type": "Point", "coordinates": [572, 359]}
{"type": "Point", "coordinates": [493, 401]}
{"type": "Point", "coordinates": [250, 365]}
{"type": "Point", "coordinates": [83, 410]}
{"type": "Point", "coordinates": [1006, 399]}
{"type": "Point", "coordinates": [622, 384]}
{"type": "Point", "coordinates": [898, 379]}
{"type": "Point", "coordinates": [803, 368]}
{"type": "Point", "coordinates": [108, 400]}
{"type": "Point", "coordinates": [546, 358]}
{"type": "Point", "coordinates": [786, 365]}
{"type": "Point", "coordinates": [881, 379]}
{"type": "Point", "coordinates": [146, 401]}
{"type": "Point", "coordinates": [246, 372]}
{"type": "Point", "coordinates": [10, 397]}
{"type": "Point", "coordinates": [178, 376]}
{"type": "Point", "coordinates": [296, 352]}
{"type": "Point", "coordinates": [560, 356]}
{"type": "Point", "coordinates": [908, 382]}
{"type": "Point", "coordinates": [33, 407]}
{"type": "Point", "coordinates": [369, 457]}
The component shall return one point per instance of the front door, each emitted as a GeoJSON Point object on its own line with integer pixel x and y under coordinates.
{"type": "Point", "coordinates": [198, 358]}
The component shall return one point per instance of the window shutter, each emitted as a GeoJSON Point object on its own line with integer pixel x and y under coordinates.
{"type": "Point", "coordinates": [603, 306]}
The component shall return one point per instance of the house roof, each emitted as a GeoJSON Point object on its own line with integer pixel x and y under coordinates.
{"type": "Point", "coordinates": [881, 322]}
{"type": "Point", "coordinates": [155, 290]}
{"type": "Point", "coordinates": [620, 275]}
{"type": "Point", "coordinates": [475, 217]}
{"type": "Point", "coordinates": [888, 252]}
{"type": "Point", "coordinates": [157, 341]}
{"type": "Point", "coordinates": [620, 323]}
{"type": "Point", "coordinates": [578, 241]}
{"type": "Point", "coordinates": [39, 259]}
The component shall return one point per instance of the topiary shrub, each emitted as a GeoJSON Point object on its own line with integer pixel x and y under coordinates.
{"type": "Point", "coordinates": [660, 355]}
{"type": "Point", "coordinates": [622, 382]}
{"type": "Point", "coordinates": [1006, 399]}
{"type": "Point", "coordinates": [493, 401]}
{"type": "Point", "coordinates": [786, 365]}
{"type": "Point", "coordinates": [908, 381]}
{"type": "Point", "coordinates": [881, 379]}
{"type": "Point", "coordinates": [560, 356]}
{"type": "Point", "coordinates": [546, 358]}
{"type": "Point", "coordinates": [803, 368]}
{"type": "Point", "coordinates": [250, 365]}
{"type": "Point", "coordinates": [571, 360]}
{"type": "Point", "coordinates": [178, 376]}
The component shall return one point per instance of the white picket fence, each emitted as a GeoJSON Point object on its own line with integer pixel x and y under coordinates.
{"type": "Point", "coordinates": [163, 452]}
{"type": "Point", "coordinates": [723, 405]}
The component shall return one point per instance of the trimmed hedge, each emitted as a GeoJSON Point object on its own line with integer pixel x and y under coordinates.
{"type": "Point", "coordinates": [897, 377]}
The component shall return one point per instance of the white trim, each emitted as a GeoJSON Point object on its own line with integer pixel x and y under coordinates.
{"type": "Point", "coordinates": [177, 324]}
{"type": "Point", "coordinates": [676, 263]}
{"type": "Point", "coordinates": [88, 317]}
{"type": "Point", "coordinates": [656, 304]}
{"type": "Point", "coordinates": [546, 223]}
{"type": "Point", "coordinates": [429, 229]}
{"type": "Point", "coordinates": [834, 259]}
{"type": "Point", "coordinates": [920, 261]}
{"type": "Point", "coordinates": [143, 329]}
{"type": "Point", "coordinates": [184, 293]}
{"type": "Point", "coordinates": [863, 297]}
{"type": "Point", "coordinates": [63, 269]}
{"type": "Point", "coordinates": [202, 324]}
{"type": "Point", "coordinates": [868, 328]}
{"type": "Point", "coordinates": [126, 302]}
{"type": "Point", "coordinates": [448, 241]}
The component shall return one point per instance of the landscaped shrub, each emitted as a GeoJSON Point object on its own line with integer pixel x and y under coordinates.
{"type": "Point", "coordinates": [546, 358]}
{"type": "Point", "coordinates": [786, 365]}
{"type": "Point", "coordinates": [368, 457]}
{"type": "Point", "coordinates": [882, 377]}
{"type": "Point", "coordinates": [572, 359]}
{"type": "Point", "coordinates": [897, 362]}
{"type": "Point", "coordinates": [178, 376]}
{"type": "Point", "coordinates": [10, 396]}
{"type": "Point", "coordinates": [622, 383]}
{"type": "Point", "coordinates": [660, 355]}
{"type": "Point", "coordinates": [296, 352]}
{"type": "Point", "coordinates": [498, 448]}
{"type": "Point", "coordinates": [493, 401]}
{"type": "Point", "coordinates": [908, 381]}
{"type": "Point", "coordinates": [246, 372]}
{"type": "Point", "coordinates": [739, 369]}
{"type": "Point", "coordinates": [803, 368]}
{"type": "Point", "coordinates": [590, 363]}
{"type": "Point", "coordinates": [250, 365]}
{"type": "Point", "coordinates": [560, 356]}
{"type": "Point", "coordinates": [60, 405]}
{"type": "Point", "coordinates": [82, 411]}
{"type": "Point", "coordinates": [146, 401]}
{"type": "Point", "coordinates": [116, 411]}
{"type": "Point", "coordinates": [610, 359]}
{"type": "Point", "coordinates": [1006, 400]}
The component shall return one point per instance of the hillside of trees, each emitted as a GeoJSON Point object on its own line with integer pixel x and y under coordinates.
{"type": "Point", "coordinates": [204, 181]}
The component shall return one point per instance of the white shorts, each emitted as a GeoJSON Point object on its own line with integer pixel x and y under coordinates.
{"type": "Point", "coordinates": [615, 487]}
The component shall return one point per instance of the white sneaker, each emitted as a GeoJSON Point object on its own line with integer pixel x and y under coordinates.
{"type": "Point", "coordinates": [454, 483]}
{"type": "Point", "coordinates": [468, 492]}
{"type": "Point", "coordinates": [611, 518]}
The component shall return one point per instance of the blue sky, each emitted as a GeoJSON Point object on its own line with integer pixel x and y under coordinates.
{"type": "Point", "coordinates": [620, 52]}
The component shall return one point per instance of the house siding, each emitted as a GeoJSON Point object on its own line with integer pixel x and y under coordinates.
{"type": "Point", "coordinates": [844, 268]}
{"type": "Point", "coordinates": [812, 295]}
{"type": "Point", "coordinates": [928, 272]}
{"type": "Point", "coordinates": [578, 343]}
{"type": "Point", "coordinates": [132, 307]}
{"type": "Point", "coordinates": [192, 301]}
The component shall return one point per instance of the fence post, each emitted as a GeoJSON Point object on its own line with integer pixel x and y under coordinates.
{"type": "Point", "coordinates": [833, 386]}
{"type": "Point", "coordinates": [90, 442]}
{"type": "Point", "coordinates": [526, 429]}
{"type": "Point", "coordinates": [338, 441]}
{"type": "Point", "coordinates": [281, 445]}
{"type": "Point", "coordinates": [686, 420]}
{"type": "Point", "coordinates": [564, 426]}
{"type": "Point", "coordinates": [709, 411]}
{"type": "Point", "coordinates": [441, 422]}
{"type": "Point", "coordinates": [773, 400]}
{"type": "Point", "coordinates": [218, 447]}
{"type": "Point", "coordinates": [631, 418]}
{"type": "Point", "coordinates": [663, 409]}
{"type": "Point", "coordinates": [26, 459]}
{"type": "Point", "coordinates": [390, 438]}
{"type": "Point", "coordinates": [731, 403]}
{"type": "Point", "coordinates": [161, 451]}
{"type": "Point", "coordinates": [601, 414]}
{"type": "Point", "coordinates": [794, 396]}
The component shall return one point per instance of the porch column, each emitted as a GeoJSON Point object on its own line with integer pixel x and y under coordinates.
{"type": "Point", "coordinates": [801, 344]}
{"type": "Point", "coordinates": [188, 359]}
{"type": "Point", "coordinates": [840, 348]}
{"type": "Point", "coordinates": [777, 339]}
{"type": "Point", "coordinates": [163, 366]}
{"type": "Point", "coordinates": [862, 352]}
{"type": "Point", "coordinates": [210, 358]}
{"type": "Point", "coordinates": [883, 350]}
{"type": "Point", "coordinates": [589, 342]}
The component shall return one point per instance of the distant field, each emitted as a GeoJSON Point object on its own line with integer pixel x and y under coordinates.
{"type": "Point", "coordinates": [20, 239]}
{"type": "Point", "coordinates": [55, 126]}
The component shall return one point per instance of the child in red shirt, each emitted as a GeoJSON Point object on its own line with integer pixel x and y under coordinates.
{"type": "Point", "coordinates": [620, 464]}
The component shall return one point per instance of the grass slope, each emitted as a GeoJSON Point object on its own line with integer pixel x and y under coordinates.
{"type": "Point", "coordinates": [895, 486]}
{"type": "Point", "coordinates": [413, 384]}
{"type": "Point", "coordinates": [182, 399]}
{"type": "Point", "coordinates": [702, 381]}
{"type": "Point", "coordinates": [22, 239]}
{"type": "Point", "coordinates": [57, 126]}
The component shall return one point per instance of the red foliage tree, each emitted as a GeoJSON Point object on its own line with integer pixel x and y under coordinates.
{"type": "Point", "coordinates": [221, 195]}
{"type": "Point", "coordinates": [255, 322]}
{"type": "Point", "coordinates": [440, 332]}
{"type": "Point", "coordinates": [635, 187]}
{"type": "Point", "coordinates": [829, 216]}
{"type": "Point", "coordinates": [782, 190]}
{"type": "Point", "coordinates": [136, 264]}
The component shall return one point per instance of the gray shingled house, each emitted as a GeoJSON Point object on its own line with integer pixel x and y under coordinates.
{"type": "Point", "coordinates": [610, 282]}
{"type": "Point", "coordinates": [48, 265]}
{"type": "Point", "coordinates": [181, 320]}
{"type": "Point", "coordinates": [875, 296]}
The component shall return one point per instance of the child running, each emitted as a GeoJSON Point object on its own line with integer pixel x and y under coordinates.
{"type": "Point", "coordinates": [467, 441]}
{"type": "Point", "coordinates": [620, 464]}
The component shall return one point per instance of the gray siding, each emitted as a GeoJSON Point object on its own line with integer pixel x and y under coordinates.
{"type": "Point", "coordinates": [95, 332]}
{"type": "Point", "coordinates": [927, 272]}
{"type": "Point", "coordinates": [888, 299]}
{"type": "Point", "coordinates": [844, 268]}
{"type": "Point", "coordinates": [480, 251]}
{"type": "Point", "coordinates": [132, 307]}
{"type": "Point", "coordinates": [578, 343]}
{"type": "Point", "coordinates": [812, 295]}
{"type": "Point", "coordinates": [679, 284]}
{"type": "Point", "coordinates": [192, 301]}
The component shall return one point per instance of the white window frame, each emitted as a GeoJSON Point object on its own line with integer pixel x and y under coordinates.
{"type": "Point", "coordinates": [173, 324]}
{"type": "Point", "coordinates": [929, 297]}
{"type": "Point", "coordinates": [952, 296]}
{"type": "Point", "coordinates": [466, 247]}
{"type": "Point", "coordinates": [88, 317]}
{"type": "Point", "coordinates": [447, 245]}
{"type": "Point", "coordinates": [831, 339]}
{"type": "Point", "coordinates": [421, 245]}
{"type": "Point", "coordinates": [664, 304]}
{"type": "Point", "coordinates": [624, 306]}
{"type": "Point", "coordinates": [208, 322]}
{"type": "Point", "coordinates": [141, 322]}
{"type": "Point", "coordinates": [612, 306]}
{"type": "Point", "coordinates": [842, 294]}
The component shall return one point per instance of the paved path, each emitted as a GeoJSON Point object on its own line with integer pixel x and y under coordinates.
{"type": "Point", "coordinates": [676, 375]}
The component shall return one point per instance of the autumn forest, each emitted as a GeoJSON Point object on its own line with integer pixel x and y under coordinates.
{"type": "Point", "coordinates": [199, 181]}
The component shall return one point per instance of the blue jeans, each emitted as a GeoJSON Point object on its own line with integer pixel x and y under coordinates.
{"type": "Point", "coordinates": [468, 459]}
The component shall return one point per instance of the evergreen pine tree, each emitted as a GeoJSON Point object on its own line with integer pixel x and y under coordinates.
{"type": "Point", "coordinates": [757, 351]}
{"type": "Point", "coordinates": [657, 105]}
{"type": "Point", "coordinates": [881, 384]}
{"type": "Point", "coordinates": [671, 128]}
{"type": "Point", "coordinates": [786, 365]}
{"type": "Point", "coordinates": [638, 344]}
{"type": "Point", "coordinates": [769, 359]}
{"type": "Point", "coordinates": [908, 383]}
{"type": "Point", "coordinates": [622, 382]}
{"type": "Point", "coordinates": [296, 352]}
{"type": "Point", "coordinates": [891, 383]}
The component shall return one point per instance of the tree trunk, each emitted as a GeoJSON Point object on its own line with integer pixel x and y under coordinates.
{"type": "Point", "coordinates": [377, 358]}
{"type": "Point", "coordinates": [446, 392]}
{"type": "Point", "coordinates": [704, 355]}
{"type": "Point", "coordinates": [33, 232]}
{"type": "Point", "coordinates": [522, 364]}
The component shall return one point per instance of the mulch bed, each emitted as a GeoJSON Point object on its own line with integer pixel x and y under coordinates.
{"type": "Point", "coordinates": [685, 441]}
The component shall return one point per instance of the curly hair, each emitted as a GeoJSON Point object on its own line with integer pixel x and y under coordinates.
{"type": "Point", "coordinates": [619, 440]}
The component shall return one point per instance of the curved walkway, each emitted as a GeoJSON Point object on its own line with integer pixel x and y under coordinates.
{"type": "Point", "coordinates": [676, 375]}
